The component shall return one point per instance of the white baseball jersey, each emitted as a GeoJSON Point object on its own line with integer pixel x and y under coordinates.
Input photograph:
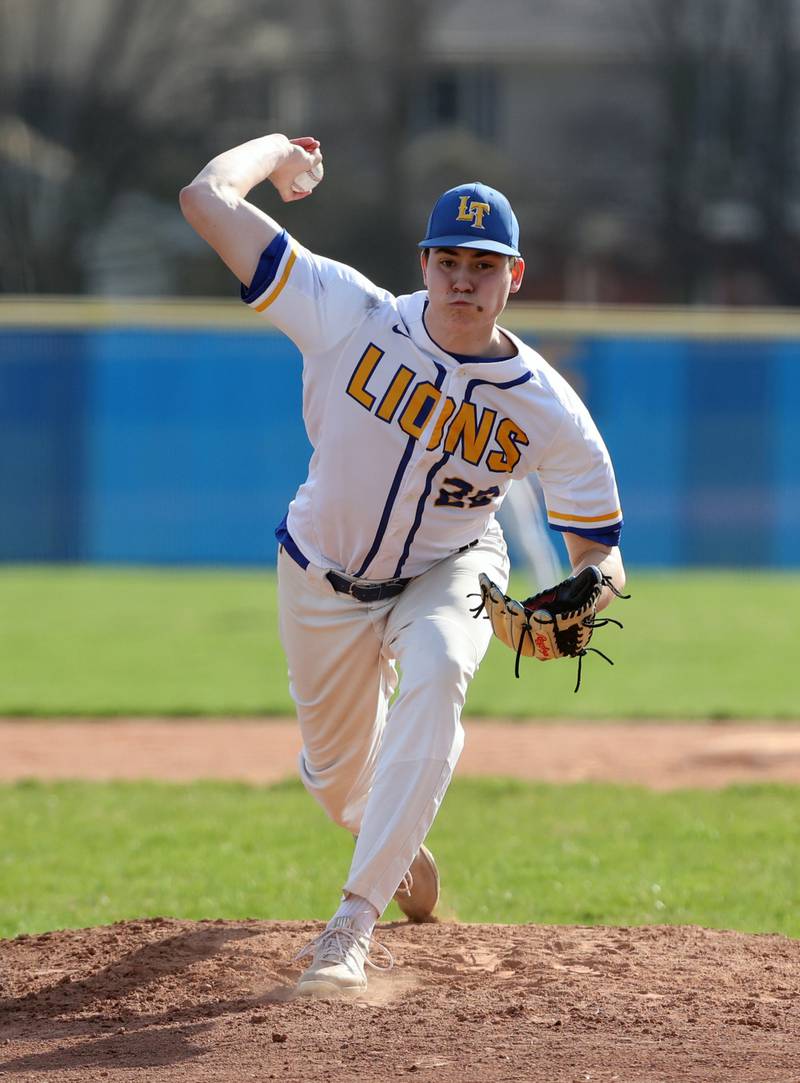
{"type": "Point", "coordinates": [414, 448]}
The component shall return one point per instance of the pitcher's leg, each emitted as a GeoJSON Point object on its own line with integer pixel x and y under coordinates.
{"type": "Point", "coordinates": [341, 684]}
{"type": "Point", "coordinates": [439, 646]}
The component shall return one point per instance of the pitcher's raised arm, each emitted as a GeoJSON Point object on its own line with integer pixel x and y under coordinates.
{"type": "Point", "coordinates": [215, 206]}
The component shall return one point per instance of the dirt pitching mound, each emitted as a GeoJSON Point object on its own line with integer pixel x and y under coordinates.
{"type": "Point", "coordinates": [177, 1000]}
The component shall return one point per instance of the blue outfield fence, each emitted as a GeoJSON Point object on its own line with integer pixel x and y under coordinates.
{"type": "Point", "coordinates": [176, 436]}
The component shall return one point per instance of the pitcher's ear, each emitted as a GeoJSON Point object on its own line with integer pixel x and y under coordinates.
{"type": "Point", "coordinates": [517, 272]}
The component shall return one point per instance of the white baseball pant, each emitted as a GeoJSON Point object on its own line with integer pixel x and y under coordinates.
{"type": "Point", "coordinates": [379, 771]}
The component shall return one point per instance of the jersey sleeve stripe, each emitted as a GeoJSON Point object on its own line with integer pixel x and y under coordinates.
{"type": "Point", "coordinates": [608, 517]}
{"type": "Point", "coordinates": [275, 292]}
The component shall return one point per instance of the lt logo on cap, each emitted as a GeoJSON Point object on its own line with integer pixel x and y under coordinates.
{"type": "Point", "coordinates": [472, 211]}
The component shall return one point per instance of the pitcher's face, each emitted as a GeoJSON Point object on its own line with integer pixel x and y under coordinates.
{"type": "Point", "coordinates": [467, 286]}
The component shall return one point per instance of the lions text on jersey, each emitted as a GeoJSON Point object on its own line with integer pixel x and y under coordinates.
{"type": "Point", "coordinates": [415, 448]}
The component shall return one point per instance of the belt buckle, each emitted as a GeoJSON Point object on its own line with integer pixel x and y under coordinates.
{"type": "Point", "coordinates": [352, 587]}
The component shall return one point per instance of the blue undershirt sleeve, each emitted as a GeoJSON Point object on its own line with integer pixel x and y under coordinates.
{"type": "Point", "coordinates": [267, 266]}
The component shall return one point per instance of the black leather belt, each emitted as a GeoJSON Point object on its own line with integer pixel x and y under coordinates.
{"type": "Point", "coordinates": [362, 592]}
{"type": "Point", "coordinates": [376, 592]}
{"type": "Point", "coordinates": [367, 592]}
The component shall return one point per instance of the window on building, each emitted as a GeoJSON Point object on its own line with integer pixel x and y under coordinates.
{"type": "Point", "coordinates": [459, 97]}
{"type": "Point", "coordinates": [246, 97]}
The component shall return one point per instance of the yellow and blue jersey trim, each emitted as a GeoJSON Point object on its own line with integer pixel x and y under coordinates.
{"type": "Point", "coordinates": [596, 527]}
{"type": "Point", "coordinates": [266, 271]}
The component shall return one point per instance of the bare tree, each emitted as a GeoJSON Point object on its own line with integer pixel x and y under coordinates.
{"type": "Point", "coordinates": [368, 61]}
{"type": "Point", "coordinates": [727, 79]}
{"type": "Point", "coordinates": [99, 97]}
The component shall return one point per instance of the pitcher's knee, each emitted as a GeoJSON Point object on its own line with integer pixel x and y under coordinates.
{"type": "Point", "coordinates": [446, 739]}
{"type": "Point", "coordinates": [334, 793]}
{"type": "Point", "coordinates": [423, 730]}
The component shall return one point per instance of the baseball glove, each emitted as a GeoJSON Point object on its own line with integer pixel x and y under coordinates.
{"type": "Point", "coordinates": [556, 623]}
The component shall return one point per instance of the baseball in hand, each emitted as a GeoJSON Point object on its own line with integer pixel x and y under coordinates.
{"type": "Point", "coordinates": [308, 181]}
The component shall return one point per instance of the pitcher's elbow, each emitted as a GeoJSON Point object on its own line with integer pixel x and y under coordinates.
{"type": "Point", "coordinates": [190, 199]}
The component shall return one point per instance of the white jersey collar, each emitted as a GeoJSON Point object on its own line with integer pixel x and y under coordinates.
{"type": "Point", "coordinates": [411, 308]}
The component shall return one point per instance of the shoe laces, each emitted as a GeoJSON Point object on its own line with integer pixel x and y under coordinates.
{"type": "Point", "coordinates": [406, 885]}
{"type": "Point", "coordinates": [332, 945]}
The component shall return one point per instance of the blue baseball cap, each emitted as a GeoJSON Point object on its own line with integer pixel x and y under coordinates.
{"type": "Point", "coordinates": [473, 216]}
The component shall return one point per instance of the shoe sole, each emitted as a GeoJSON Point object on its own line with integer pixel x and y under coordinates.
{"type": "Point", "coordinates": [328, 989]}
{"type": "Point", "coordinates": [419, 906]}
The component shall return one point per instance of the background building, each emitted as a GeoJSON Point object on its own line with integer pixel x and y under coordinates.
{"type": "Point", "coordinates": [650, 146]}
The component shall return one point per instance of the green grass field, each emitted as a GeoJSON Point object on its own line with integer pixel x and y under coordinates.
{"type": "Point", "coordinates": [90, 641]}
{"type": "Point", "coordinates": [80, 854]}
{"type": "Point", "coordinates": [94, 641]}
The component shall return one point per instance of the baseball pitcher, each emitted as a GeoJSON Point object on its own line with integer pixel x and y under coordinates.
{"type": "Point", "coordinates": [421, 412]}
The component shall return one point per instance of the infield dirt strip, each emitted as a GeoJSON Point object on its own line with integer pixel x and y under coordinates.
{"type": "Point", "coordinates": [659, 755]}
{"type": "Point", "coordinates": [172, 1000]}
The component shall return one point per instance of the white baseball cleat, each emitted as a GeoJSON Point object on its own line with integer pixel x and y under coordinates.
{"type": "Point", "coordinates": [341, 954]}
{"type": "Point", "coordinates": [418, 893]}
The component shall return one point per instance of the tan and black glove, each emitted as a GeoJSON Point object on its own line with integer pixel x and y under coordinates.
{"type": "Point", "coordinates": [555, 623]}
